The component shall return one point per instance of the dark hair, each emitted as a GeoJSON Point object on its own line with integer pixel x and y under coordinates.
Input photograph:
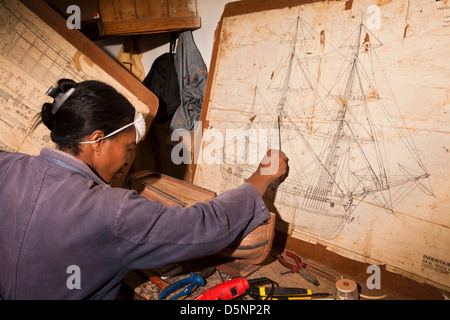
{"type": "Point", "coordinates": [93, 105]}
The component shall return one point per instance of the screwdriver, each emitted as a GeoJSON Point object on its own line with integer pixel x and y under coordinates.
{"type": "Point", "coordinates": [284, 293]}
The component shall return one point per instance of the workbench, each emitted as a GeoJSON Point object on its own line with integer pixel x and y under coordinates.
{"type": "Point", "coordinates": [137, 285]}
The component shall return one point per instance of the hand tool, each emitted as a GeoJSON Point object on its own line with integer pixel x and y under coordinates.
{"type": "Point", "coordinates": [160, 283]}
{"type": "Point", "coordinates": [226, 291]}
{"type": "Point", "coordinates": [285, 293]}
{"type": "Point", "coordinates": [158, 275]}
{"type": "Point", "coordinates": [230, 289]}
{"type": "Point", "coordinates": [298, 267]}
{"type": "Point", "coordinates": [192, 282]}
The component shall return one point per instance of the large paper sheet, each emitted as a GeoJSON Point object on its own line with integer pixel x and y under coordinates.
{"type": "Point", "coordinates": [34, 57]}
{"type": "Point", "coordinates": [358, 92]}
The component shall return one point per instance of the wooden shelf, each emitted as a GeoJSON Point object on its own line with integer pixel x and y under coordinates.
{"type": "Point", "coordinates": [128, 17]}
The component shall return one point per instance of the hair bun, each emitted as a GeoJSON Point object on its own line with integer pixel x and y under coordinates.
{"type": "Point", "coordinates": [48, 118]}
{"type": "Point", "coordinates": [65, 85]}
{"type": "Point", "coordinates": [47, 114]}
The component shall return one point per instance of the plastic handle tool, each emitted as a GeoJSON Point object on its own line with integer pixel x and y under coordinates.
{"type": "Point", "coordinates": [192, 282]}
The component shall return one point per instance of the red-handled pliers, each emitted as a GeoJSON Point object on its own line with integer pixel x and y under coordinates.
{"type": "Point", "coordinates": [298, 267]}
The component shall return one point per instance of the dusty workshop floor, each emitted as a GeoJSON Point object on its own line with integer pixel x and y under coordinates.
{"type": "Point", "coordinates": [138, 287]}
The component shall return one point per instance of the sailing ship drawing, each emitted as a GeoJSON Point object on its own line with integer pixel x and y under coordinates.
{"type": "Point", "coordinates": [344, 133]}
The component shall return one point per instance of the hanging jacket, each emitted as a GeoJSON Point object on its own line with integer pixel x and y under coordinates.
{"type": "Point", "coordinates": [192, 77]}
{"type": "Point", "coordinates": [163, 82]}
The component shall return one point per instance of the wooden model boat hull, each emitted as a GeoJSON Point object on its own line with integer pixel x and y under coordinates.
{"type": "Point", "coordinates": [253, 249]}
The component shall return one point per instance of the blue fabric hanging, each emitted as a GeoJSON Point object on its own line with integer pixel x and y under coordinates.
{"type": "Point", "coordinates": [192, 77]}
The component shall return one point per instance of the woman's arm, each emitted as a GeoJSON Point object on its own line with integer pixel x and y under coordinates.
{"type": "Point", "coordinates": [273, 166]}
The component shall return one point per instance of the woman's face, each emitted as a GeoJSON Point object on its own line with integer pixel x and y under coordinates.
{"type": "Point", "coordinates": [115, 155]}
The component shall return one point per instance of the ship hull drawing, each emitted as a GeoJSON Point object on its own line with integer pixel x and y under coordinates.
{"type": "Point", "coordinates": [343, 132]}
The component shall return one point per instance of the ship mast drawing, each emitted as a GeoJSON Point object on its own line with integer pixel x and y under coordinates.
{"type": "Point", "coordinates": [343, 132]}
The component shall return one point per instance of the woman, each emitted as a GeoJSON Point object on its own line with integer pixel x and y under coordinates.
{"type": "Point", "coordinates": [66, 234]}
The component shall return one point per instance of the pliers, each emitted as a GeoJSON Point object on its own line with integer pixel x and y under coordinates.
{"type": "Point", "coordinates": [298, 267]}
{"type": "Point", "coordinates": [192, 282]}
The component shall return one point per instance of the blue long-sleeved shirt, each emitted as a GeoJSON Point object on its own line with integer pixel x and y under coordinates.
{"type": "Point", "coordinates": [56, 213]}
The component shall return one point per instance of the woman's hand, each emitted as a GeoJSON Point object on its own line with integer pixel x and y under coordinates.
{"type": "Point", "coordinates": [273, 166]}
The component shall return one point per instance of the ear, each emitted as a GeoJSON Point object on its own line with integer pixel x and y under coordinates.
{"type": "Point", "coordinates": [97, 134]}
